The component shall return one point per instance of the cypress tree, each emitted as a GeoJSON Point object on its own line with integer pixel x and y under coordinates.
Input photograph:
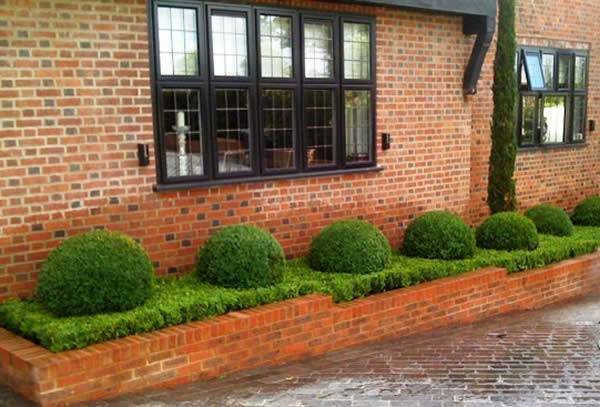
{"type": "Point", "coordinates": [501, 185]}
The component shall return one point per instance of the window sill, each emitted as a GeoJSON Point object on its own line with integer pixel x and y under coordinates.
{"type": "Point", "coordinates": [549, 147]}
{"type": "Point", "coordinates": [253, 180]}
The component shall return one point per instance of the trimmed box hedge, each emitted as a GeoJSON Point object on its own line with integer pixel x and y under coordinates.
{"type": "Point", "coordinates": [179, 300]}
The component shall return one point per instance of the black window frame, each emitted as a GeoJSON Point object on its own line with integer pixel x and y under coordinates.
{"type": "Point", "coordinates": [570, 93]}
{"type": "Point", "coordinates": [207, 83]}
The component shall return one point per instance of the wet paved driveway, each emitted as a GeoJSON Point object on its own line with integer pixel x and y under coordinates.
{"type": "Point", "coordinates": [548, 357]}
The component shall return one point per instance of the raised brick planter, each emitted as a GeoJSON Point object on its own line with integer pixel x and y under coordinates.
{"type": "Point", "coordinates": [280, 333]}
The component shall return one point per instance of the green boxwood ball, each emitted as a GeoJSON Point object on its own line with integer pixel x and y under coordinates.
{"type": "Point", "coordinates": [587, 213]}
{"type": "Point", "coordinates": [507, 231]}
{"type": "Point", "coordinates": [350, 246]}
{"type": "Point", "coordinates": [439, 235]}
{"type": "Point", "coordinates": [241, 256]}
{"type": "Point", "coordinates": [95, 272]}
{"type": "Point", "coordinates": [550, 220]}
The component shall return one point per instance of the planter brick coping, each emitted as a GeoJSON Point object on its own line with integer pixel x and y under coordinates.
{"type": "Point", "coordinates": [280, 333]}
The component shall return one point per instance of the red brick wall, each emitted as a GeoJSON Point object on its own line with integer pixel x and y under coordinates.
{"type": "Point", "coordinates": [75, 97]}
{"type": "Point", "coordinates": [280, 333]}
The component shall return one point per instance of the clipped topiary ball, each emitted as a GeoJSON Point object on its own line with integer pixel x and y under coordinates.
{"type": "Point", "coordinates": [507, 231]}
{"type": "Point", "coordinates": [439, 235]}
{"type": "Point", "coordinates": [350, 246]}
{"type": "Point", "coordinates": [94, 273]}
{"type": "Point", "coordinates": [550, 220]}
{"type": "Point", "coordinates": [587, 213]}
{"type": "Point", "coordinates": [241, 256]}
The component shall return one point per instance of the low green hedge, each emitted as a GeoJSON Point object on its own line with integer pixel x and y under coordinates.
{"type": "Point", "coordinates": [439, 235]}
{"type": "Point", "coordinates": [550, 220]}
{"type": "Point", "coordinates": [587, 213]}
{"type": "Point", "coordinates": [180, 300]}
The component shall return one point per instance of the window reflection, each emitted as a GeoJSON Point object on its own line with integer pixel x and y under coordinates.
{"type": "Point", "coordinates": [358, 124]}
{"type": "Point", "coordinates": [278, 128]}
{"type": "Point", "coordinates": [229, 45]}
{"type": "Point", "coordinates": [548, 67]}
{"type": "Point", "coordinates": [356, 51]}
{"type": "Point", "coordinates": [528, 119]}
{"type": "Point", "coordinates": [318, 50]}
{"type": "Point", "coordinates": [232, 130]}
{"type": "Point", "coordinates": [319, 127]}
{"type": "Point", "coordinates": [564, 69]}
{"type": "Point", "coordinates": [182, 132]}
{"type": "Point", "coordinates": [580, 72]}
{"type": "Point", "coordinates": [276, 46]}
{"type": "Point", "coordinates": [177, 41]}
{"type": "Point", "coordinates": [553, 119]}
{"type": "Point", "coordinates": [578, 118]}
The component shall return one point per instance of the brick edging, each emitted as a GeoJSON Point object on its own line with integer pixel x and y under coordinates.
{"type": "Point", "coordinates": [279, 333]}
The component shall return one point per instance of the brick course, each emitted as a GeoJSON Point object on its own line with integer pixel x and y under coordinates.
{"type": "Point", "coordinates": [75, 97]}
{"type": "Point", "coordinates": [279, 333]}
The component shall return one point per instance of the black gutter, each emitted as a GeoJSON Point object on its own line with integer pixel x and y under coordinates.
{"type": "Point", "coordinates": [479, 18]}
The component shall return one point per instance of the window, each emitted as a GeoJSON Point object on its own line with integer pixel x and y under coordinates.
{"type": "Point", "coordinates": [276, 46]}
{"type": "Point", "coordinates": [244, 92]}
{"type": "Point", "coordinates": [229, 44]}
{"type": "Point", "coordinates": [178, 41]}
{"type": "Point", "coordinates": [553, 97]}
{"type": "Point", "coordinates": [356, 51]}
{"type": "Point", "coordinates": [533, 69]}
{"type": "Point", "coordinates": [319, 108]}
{"type": "Point", "coordinates": [318, 49]}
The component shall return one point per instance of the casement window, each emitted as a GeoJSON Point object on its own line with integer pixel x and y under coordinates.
{"type": "Point", "coordinates": [244, 92]}
{"type": "Point", "coordinates": [552, 96]}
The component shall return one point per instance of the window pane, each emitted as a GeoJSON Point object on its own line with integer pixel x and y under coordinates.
{"type": "Point", "coordinates": [578, 118]}
{"type": "Point", "coordinates": [533, 65]}
{"type": "Point", "coordinates": [177, 41]}
{"type": "Point", "coordinates": [358, 125]}
{"type": "Point", "coordinates": [319, 127]}
{"type": "Point", "coordinates": [580, 71]}
{"type": "Point", "coordinates": [276, 46]}
{"type": "Point", "coordinates": [232, 130]}
{"type": "Point", "coordinates": [229, 45]}
{"type": "Point", "coordinates": [318, 50]}
{"type": "Point", "coordinates": [528, 125]}
{"type": "Point", "coordinates": [356, 51]}
{"type": "Point", "coordinates": [278, 128]}
{"type": "Point", "coordinates": [182, 132]}
{"type": "Point", "coordinates": [553, 119]}
{"type": "Point", "coordinates": [548, 66]}
{"type": "Point", "coordinates": [564, 69]}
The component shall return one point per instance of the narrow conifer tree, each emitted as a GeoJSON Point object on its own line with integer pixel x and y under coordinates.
{"type": "Point", "coordinates": [501, 185]}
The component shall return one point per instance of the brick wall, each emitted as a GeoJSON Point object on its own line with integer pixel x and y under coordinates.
{"type": "Point", "coordinates": [280, 333]}
{"type": "Point", "coordinates": [75, 97]}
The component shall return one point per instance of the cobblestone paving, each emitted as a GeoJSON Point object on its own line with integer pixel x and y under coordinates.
{"type": "Point", "coordinates": [543, 358]}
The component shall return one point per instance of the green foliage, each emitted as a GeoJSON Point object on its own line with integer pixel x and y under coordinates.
{"type": "Point", "coordinates": [501, 185]}
{"type": "Point", "coordinates": [241, 256]}
{"type": "Point", "coordinates": [95, 272]}
{"type": "Point", "coordinates": [587, 213]}
{"type": "Point", "coordinates": [439, 235]}
{"type": "Point", "coordinates": [350, 246]}
{"type": "Point", "coordinates": [507, 231]}
{"type": "Point", "coordinates": [180, 300]}
{"type": "Point", "coordinates": [550, 220]}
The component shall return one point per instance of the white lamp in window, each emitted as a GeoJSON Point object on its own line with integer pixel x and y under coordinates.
{"type": "Point", "coordinates": [181, 130]}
